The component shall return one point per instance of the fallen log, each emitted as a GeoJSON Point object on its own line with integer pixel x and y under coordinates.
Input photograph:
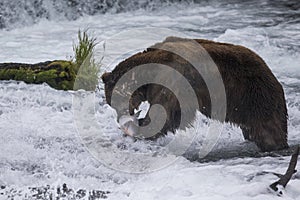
{"type": "Point", "coordinates": [58, 74]}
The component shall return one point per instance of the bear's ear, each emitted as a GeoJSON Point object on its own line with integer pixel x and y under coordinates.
{"type": "Point", "coordinates": [106, 77]}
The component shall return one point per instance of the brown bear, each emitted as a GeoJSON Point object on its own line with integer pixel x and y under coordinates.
{"type": "Point", "coordinates": [254, 98]}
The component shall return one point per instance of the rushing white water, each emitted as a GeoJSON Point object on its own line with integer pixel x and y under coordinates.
{"type": "Point", "coordinates": [39, 144]}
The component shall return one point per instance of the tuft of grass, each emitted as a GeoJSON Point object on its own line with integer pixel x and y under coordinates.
{"type": "Point", "coordinates": [85, 65]}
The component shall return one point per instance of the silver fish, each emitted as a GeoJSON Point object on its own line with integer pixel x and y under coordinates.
{"type": "Point", "coordinates": [129, 124]}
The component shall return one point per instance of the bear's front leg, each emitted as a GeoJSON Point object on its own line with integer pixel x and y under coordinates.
{"type": "Point", "coordinates": [248, 133]}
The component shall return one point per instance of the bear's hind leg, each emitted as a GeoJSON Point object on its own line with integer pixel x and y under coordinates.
{"type": "Point", "coordinates": [270, 136]}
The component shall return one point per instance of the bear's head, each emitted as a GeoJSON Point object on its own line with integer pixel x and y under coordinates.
{"type": "Point", "coordinates": [109, 83]}
{"type": "Point", "coordinates": [110, 80]}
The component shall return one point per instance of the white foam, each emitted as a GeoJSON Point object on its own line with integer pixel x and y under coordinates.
{"type": "Point", "coordinates": [40, 145]}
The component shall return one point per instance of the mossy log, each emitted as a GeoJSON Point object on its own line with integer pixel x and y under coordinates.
{"type": "Point", "coordinates": [58, 74]}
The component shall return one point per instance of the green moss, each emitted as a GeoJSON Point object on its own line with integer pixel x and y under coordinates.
{"type": "Point", "coordinates": [17, 74]}
{"type": "Point", "coordinates": [67, 85]}
{"type": "Point", "coordinates": [63, 74]}
{"type": "Point", "coordinates": [58, 74]}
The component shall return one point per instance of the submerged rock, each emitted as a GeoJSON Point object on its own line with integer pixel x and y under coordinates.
{"type": "Point", "coordinates": [48, 192]}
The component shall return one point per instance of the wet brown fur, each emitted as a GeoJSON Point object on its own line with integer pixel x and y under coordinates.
{"type": "Point", "coordinates": [255, 98]}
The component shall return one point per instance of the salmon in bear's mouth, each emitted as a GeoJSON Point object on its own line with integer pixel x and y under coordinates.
{"type": "Point", "coordinates": [129, 123]}
{"type": "Point", "coordinates": [128, 132]}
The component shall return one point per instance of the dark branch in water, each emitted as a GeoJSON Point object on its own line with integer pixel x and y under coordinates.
{"type": "Point", "coordinates": [284, 179]}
